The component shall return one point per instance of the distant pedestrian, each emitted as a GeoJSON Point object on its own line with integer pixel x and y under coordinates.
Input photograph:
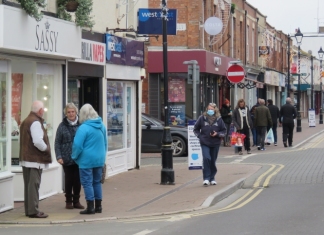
{"type": "Point", "coordinates": [275, 115]}
{"type": "Point", "coordinates": [287, 115]}
{"type": "Point", "coordinates": [262, 119]}
{"type": "Point", "coordinates": [34, 156]}
{"type": "Point", "coordinates": [63, 149]}
{"type": "Point", "coordinates": [253, 129]}
{"type": "Point", "coordinates": [243, 123]}
{"type": "Point", "coordinates": [89, 152]}
{"type": "Point", "coordinates": [226, 113]}
{"type": "Point", "coordinates": [209, 129]}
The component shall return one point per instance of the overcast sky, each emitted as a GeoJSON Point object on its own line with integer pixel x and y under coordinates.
{"type": "Point", "coordinates": [288, 15]}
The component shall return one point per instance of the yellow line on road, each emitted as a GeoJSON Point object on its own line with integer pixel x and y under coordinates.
{"type": "Point", "coordinates": [266, 182]}
{"type": "Point", "coordinates": [257, 182]}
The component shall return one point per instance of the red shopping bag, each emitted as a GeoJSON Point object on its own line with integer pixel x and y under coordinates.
{"type": "Point", "coordinates": [237, 139]}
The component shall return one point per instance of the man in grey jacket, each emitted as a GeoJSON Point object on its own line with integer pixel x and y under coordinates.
{"type": "Point", "coordinates": [262, 119]}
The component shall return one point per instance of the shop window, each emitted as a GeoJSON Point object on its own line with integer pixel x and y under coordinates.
{"type": "Point", "coordinates": [115, 115]}
{"type": "Point", "coordinates": [31, 81]}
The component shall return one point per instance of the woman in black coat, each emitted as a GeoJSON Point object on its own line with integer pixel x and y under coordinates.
{"type": "Point", "coordinates": [63, 149]}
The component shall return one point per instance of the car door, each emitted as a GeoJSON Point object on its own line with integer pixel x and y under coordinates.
{"type": "Point", "coordinates": [151, 136]}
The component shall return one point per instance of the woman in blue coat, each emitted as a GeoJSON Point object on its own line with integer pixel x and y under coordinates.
{"type": "Point", "coordinates": [89, 152]}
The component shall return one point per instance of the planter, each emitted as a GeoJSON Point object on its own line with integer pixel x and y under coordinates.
{"type": "Point", "coordinates": [71, 6]}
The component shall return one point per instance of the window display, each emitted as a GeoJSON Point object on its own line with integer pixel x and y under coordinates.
{"type": "Point", "coordinates": [115, 115]}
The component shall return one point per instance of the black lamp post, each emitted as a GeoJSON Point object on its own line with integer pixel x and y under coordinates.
{"type": "Point", "coordinates": [320, 55]}
{"type": "Point", "coordinates": [299, 38]}
{"type": "Point", "coordinates": [167, 173]}
{"type": "Point", "coordinates": [288, 72]}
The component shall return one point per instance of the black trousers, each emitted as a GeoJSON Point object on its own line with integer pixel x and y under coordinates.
{"type": "Point", "coordinates": [246, 132]}
{"type": "Point", "coordinates": [261, 130]}
{"type": "Point", "coordinates": [72, 181]}
{"type": "Point", "coordinates": [287, 132]}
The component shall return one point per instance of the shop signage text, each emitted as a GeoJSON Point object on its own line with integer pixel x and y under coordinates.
{"type": "Point", "coordinates": [92, 52]}
{"type": "Point", "coordinates": [46, 39]}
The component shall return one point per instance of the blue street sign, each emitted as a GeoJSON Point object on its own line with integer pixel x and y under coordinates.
{"type": "Point", "coordinates": [150, 21]}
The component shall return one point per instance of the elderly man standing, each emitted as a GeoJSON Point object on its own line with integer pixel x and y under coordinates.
{"type": "Point", "coordinates": [287, 113]}
{"type": "Point", "coordinates": [262, 119]}
{"type": "Point", "coordinates": [34, 156]}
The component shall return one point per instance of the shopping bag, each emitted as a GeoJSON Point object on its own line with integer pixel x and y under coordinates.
{"type": "Point", "coordinates": [269, 137]}
{"type": "Point", "coordinates": [237, 139]}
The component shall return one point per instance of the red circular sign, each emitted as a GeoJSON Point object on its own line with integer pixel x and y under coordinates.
{"type": "Point", "coordinates": [235, 73]}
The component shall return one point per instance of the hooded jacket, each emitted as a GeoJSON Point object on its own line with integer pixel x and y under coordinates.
{"type": "Point", "coordinates": [202, 130]}
{"type": "Point", "coordinates": [90, 144]}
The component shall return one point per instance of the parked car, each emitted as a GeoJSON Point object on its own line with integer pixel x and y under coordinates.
{"type": "Point", "coordinates": [152, 131]}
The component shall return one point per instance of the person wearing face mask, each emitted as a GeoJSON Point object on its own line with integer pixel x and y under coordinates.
{"type": "Point", "coordinates": [209, 129]}
{"type": "Point", "coordinates": [243, 123]}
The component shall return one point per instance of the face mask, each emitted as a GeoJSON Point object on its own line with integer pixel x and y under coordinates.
{"type": "Point", "coordinates": [210, 112]}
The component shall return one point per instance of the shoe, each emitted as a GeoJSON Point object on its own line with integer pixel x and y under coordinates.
{"type": "Point", "coordinates": [259, 148]}
{"type": "Point", "coordinates": [206, 182]}
{"type": "Point", "coordinates": [39, 215]}
{"type": "Point", "coordinates": [240, 153]}
{"type": "Point", "coordinates": [249, 152]}
{"type": "Point", "coordinates": [285, 144]}
{"type": "Point", "coordinates": [268, 144]}
{"type": "Point", "coordinates": [262, 149]}
{"type": "Point", "coordinates": [290, 146]}
{"type": "Point", "coordinates": [275, 143]}
{"type": "Point", "coordinates": [213, 182]}
{"type": "Point", "coordinates": [77, 205]}
{"type": "Point", "coordinates": [69, 205]}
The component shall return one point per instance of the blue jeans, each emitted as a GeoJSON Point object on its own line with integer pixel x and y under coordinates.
{"type": "Point", "coordinates": [209, 162]}
{"type": "Point", "coordinates": [91, 182]}
{"type": "Point", "coordinates": [255, 136]}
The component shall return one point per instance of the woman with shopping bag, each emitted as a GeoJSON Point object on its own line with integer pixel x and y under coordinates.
{"type": "Point", "coordinates": [243, 123]}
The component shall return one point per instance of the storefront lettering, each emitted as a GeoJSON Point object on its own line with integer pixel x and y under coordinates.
{"type": "Point", "coordinates": [46, 39]}
{"type": "Point", "coordinates": [92, 52]}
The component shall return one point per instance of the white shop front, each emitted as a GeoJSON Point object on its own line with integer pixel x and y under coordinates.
{"type": "Point", "coordinates": [33, 58]}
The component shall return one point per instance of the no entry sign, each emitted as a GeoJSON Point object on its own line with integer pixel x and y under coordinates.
{"type": "Point", "coordinates": [235, 73]}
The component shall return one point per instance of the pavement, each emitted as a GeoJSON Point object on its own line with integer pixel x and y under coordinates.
{"type": "Point", "coordinates": [138, 192]}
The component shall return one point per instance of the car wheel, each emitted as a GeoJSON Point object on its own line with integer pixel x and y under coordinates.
{"type": "Point", "coordinates": [178, 146]}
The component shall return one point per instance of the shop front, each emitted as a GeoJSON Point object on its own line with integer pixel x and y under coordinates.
{"type": "Point", "coordinates": [33, 59]}
{"type": "Point", "coordinates": [122, 91]}
{"type": "Point", "coordinates": [211, 86]}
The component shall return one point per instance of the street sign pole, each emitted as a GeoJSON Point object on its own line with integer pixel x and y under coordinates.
{"type": "Point", "coordinates": [235, 74]}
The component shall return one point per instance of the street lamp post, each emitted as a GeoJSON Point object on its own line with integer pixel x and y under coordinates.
{"type": "Point", "coordinates": [320, 55]}
{"type": "Point", "coordinates": [299, 38]}
{"type": "Point", "coordinates": [167, 172]}
{"type": "Point", "coordinates": [312, 81]}
{"type": "Point", "coordinates": [288, 72]}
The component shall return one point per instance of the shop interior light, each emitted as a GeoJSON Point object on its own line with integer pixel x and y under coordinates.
{"type": "Point", "coordinates": [45, 87]}
{"type": "Point", "coordinates": [45, 109]}
{"type": "Point", "coordinates": [45, 98]}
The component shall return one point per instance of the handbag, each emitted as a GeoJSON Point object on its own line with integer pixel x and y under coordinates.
{"type": "Point", "coordinates": [103, 176]}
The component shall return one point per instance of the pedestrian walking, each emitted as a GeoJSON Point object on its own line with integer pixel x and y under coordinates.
{"type": "Point", "coordinates": [275, 115]}
{"type": "Point", "coordinates": [34, 156]}
{"type": "Point", "coordinates": [89, 152]}
{"type": "Point", "coordinates": [253, 129]}
{"type": "Point", "coordinates": [262, 119]}
{"type": "Point", "coordinates": [63, 149]}
{"type": "Point", "coordinates": [287, 115]}
{"type": "Point", "coordinates": [209, 129]}
{"type": "Point", "coordinates": [243, 123]}
{"type": "Point", "coordinates": [226, 113]}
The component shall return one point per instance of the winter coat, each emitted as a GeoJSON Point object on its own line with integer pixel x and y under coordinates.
{"type": "Point", "coordinates": [262, 116]}
{"type": "Point", "coordinates": [287, 113]}
{"type": "Point", "coordinates": [64, 140]}
{"type": "Point", "coordinates": [90, 144]}
{"type": "Point", "coordinates": [202, 130]}
{"type": "Point", "coordinates": [274, 112]}
{"type": "Point", "coordinates": [225, 110]}
{"type": "Point", "coordinates": [238, 119]}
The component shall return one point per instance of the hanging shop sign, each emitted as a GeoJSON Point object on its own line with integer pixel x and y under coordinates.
{"type": "Point", "coordinates": [123, 51]}
{"type": "Point", "coordinates": [150, 21]}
